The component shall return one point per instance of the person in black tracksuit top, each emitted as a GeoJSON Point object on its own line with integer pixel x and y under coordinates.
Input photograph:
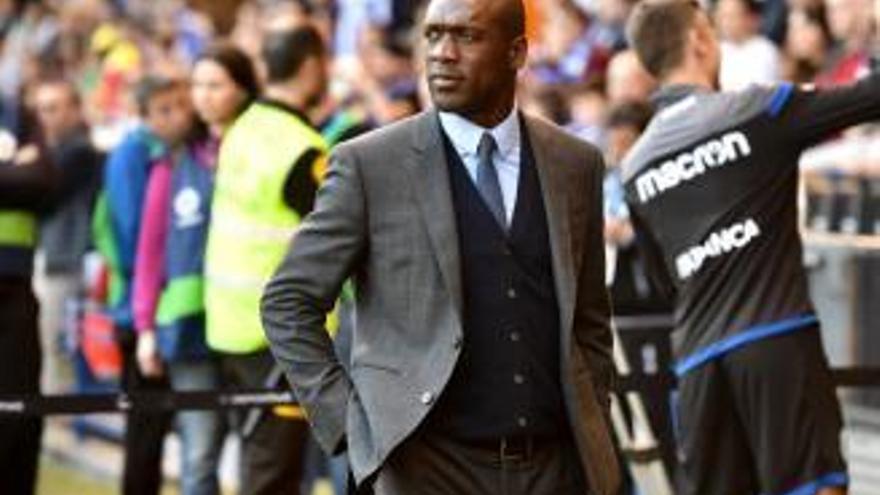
{"type": "Point", "coordinates": [712, 187]}
{"type": "Point", "coordinates": [28, 185]}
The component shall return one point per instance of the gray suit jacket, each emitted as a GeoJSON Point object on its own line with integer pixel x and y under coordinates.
{"type": "Point", "coordinates": [384, 216]}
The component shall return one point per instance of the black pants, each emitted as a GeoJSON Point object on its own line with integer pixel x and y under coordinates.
{"type": "Point", "coordinates": [763, 419]}
{"type": "Point", "coordinates": [432, 465]}
{"type": "Point", "coordinates": [272, 449]}
{"type": "Point", "coordinates": [144, 431]}
{"type": "Point", "coordinates": [19, 374]}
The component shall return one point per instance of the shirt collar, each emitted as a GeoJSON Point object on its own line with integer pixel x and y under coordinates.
{"type": "Point", "coordinates": [674, 93]}
{"type": "Point", "coordinates": [465, 135]}
{"type": "Point", "coordinates": [287, 108]}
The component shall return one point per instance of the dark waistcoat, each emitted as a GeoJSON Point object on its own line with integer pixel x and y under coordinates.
{"type": "Point", "coordinates": [507, 378]}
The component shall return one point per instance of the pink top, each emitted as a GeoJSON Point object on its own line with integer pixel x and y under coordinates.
{"type": "Point", "coordinates": [149, 271]}
{"type": "Point", "coordinates": [149, 265]}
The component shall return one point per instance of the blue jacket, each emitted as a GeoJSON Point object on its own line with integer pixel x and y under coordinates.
{"type": "Point", "coordinates": [125, 180]}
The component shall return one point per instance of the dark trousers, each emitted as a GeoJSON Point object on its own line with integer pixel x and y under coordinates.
{"type": "Point", "coordinates": [144, 431]}
{"type": "Point", "coordinates": [272, 448]}
{"type": "Point", "coordinates": [432, 465]}
{"type": "Point", "coordinates": [762, 419]}
{"type": "Point", "coordinates": [19, 374]}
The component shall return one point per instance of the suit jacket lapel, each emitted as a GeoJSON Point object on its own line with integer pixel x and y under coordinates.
{"type": "Point", "coordinates": [430, 176]}
{"type": "Point", "coordinates": [554, 190]}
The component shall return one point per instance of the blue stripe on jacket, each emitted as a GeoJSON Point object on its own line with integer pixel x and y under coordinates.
{"type": "Point", "coordinates": [836, 479]}
{"type": "Point", "coordinates": [740, 339]}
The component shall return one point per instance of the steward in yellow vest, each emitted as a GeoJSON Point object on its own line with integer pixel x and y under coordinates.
{"type": "Point", "coordinates": [270, 163]}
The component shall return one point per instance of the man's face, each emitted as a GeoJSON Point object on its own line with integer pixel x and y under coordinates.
{"type": "Point", "coordinates": [471, 60]}
{"type": "Point", "coordinates": [57, 109]}
{"type": "Point", "coordinates": [848, 19]}
{"type": "Point", "coordinates": [215, 95]}
{"type": "Point", "coordinates": [170, 114]}
{"type": "Point", "coordinates": [734, 20]}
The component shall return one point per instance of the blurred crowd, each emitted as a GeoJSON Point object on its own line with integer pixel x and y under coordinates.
{"type": "Point", "coordinates": [579, 68]}
{"type": "Point", "coordinates": [111, 83]}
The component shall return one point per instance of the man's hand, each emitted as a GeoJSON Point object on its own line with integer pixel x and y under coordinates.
{"type": "Point", "coordinates": [619, 232]}
{"type": "Point", "coordinates": [27, 155]}
{"type": "Point", "coordinates": [148, 358]}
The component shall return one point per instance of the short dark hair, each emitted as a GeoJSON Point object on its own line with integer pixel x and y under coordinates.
{"type": "Point", "coordinates": [516, 15]}
{"type": "Point", "coordinates": [658, 31]}
{"type": "Point", "coordinates": [285, 51]}
{"type": "Point", "coordinates": [67, 84]}
{"type": "Point", "coordinates": [149, 86]}
{"type": "Point", "coordinates": [236, 64]}
{"type": "Point", "coordinates": [630, 114]}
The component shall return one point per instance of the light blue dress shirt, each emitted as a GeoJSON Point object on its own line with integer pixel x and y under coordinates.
{"type": "Point", "coordinates": [465, 137]}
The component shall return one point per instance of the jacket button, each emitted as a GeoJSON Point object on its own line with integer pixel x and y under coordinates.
{"type": "Point", "coordinates": [427, 398]}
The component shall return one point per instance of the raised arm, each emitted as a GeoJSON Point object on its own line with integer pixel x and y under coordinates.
{"type": "Point", "coordinates": [812, 115]}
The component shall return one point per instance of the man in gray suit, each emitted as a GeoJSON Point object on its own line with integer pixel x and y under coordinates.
{"type": "Point", "coordinates": [473, 234]}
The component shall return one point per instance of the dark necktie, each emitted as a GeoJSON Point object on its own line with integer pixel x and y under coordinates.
{"type": "Point", "coordinates": [487, 180]}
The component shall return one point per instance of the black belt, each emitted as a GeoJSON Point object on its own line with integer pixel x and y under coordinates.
{"type": "Point", "coordinates": [512, 448]}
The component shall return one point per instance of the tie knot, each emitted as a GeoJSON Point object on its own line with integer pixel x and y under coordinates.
{"type": "Point", "coordinates": [486, 146]}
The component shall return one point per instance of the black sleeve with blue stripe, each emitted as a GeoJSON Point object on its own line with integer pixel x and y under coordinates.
{"type": "Point", "coordinates": [809, 116]}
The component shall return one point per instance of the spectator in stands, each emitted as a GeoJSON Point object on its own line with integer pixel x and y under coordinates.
{"type": "Point", "coordinates": [851, 27]}
{"type": "Point", "coordinates": [387, 82]}
{"type": "Point", "coordinates": [170, 257]}
{"type": "Point", "coordinates": [548, 102]}
{"type": "Point", "coordinates": [121, 63]}
{"type": "Point", "coordinates": [27, 180]}
{"type": "Point", "coordinates": [633, 290]}
{"type": "Point", "coordinates": [627, 80]}
{"type": "Point", "coordinates": [576, 45]}
{"type": "Point", "coordinates": [610, 18]}
{"type": "Point", "coordinates": [743, 45]}
{"type": "Point", "coordinates": [587, 105]}
{"type": "Point", "coordinates": [806, 44]}
{"type": "Point", "coordinates": [65, 230]}
{"type": "Point", "coordinates": [270, 163]}
{"type": "Point", "coordinates": [29, 32]}
{"type": "Point", "coordinates": [164, 106]}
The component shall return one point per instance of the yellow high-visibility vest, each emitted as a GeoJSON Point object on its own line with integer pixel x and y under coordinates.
{"type": "Point", "coordinates": [251, 225]}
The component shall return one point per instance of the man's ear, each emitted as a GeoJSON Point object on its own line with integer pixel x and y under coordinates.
{"type": "Point", "coordinates": [699, 41]}
{"type": "Point", "coordinates": [694, 39]}
{"type": "Point", "coordinates": [519, 52]}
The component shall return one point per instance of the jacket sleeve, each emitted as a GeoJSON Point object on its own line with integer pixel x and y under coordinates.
{"type": "Point", "coordinates": [304, 289]}
{"type": "Point", "coordinates": [30, 185]}
{"type": "Point", "coordinates": [149, 267]}
{"type": "Point", "coordinates": [593, 308]}
{"type": "Point", "coordinates": [810, 116]}
{"type": "Point", "coordinates": [125, 180]}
